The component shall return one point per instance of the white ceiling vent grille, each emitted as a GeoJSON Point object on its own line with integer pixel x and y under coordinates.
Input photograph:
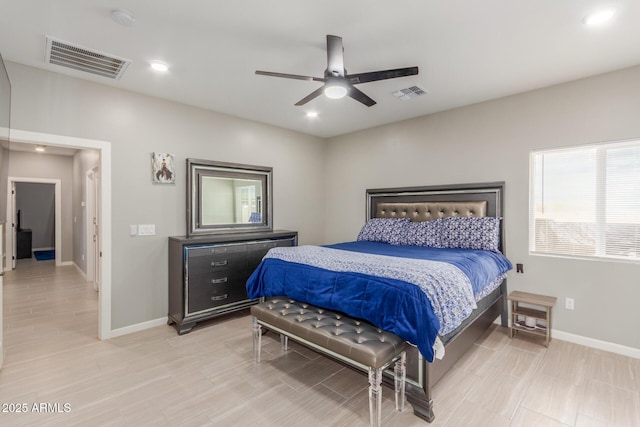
{"type": "Point", "coordinates": [64, 54]}
{"type": "Point", "coordinates": [410, 92]}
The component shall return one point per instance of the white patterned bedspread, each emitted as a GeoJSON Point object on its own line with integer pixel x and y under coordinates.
{"type": "Point", "coordinates": [446, 286]}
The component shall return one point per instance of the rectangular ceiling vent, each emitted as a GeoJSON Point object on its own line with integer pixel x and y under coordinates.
{"type": "Point", "coordinates": [410, 92]}
{"type": "Point", "coordinates": [65, 54]}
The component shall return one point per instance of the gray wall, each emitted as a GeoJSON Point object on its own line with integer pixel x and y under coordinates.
{"type": "Point", "coordinates": [24, 164]}
{"type": "Point", "coordinates": [36, 203]}
{"type": "Point", "coordinates": [137, 125]}
{"type": "Point", "coordinates": [491, 141]}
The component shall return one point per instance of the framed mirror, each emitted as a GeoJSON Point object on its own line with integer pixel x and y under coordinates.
{"type": "Point", "coordinates": [227, 197]}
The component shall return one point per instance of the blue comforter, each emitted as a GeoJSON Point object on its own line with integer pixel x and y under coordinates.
{"type": "Point", "coordinates": [391, 304]}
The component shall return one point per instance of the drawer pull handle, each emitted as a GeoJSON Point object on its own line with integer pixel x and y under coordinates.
{"type": "Point", "coordinates": [223, 280]}
{"type": "Point", "coordinates": [219, 263]}
{"type": "Point", "coordinates": [219, 297]}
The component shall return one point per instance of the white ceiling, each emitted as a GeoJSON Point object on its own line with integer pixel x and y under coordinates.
{"type": "Point", "coordinates": [467, 51]}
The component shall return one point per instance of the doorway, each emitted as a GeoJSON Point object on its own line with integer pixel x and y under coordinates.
{"type": "Point", "coordinates": [103, 201]}
{"type": "Point", "coordinates": [22, 234]}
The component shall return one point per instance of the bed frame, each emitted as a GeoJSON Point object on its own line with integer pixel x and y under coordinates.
{"type": "Point", "coordinates": [430, 203]}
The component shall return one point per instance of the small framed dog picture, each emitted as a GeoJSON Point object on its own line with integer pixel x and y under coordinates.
{"type": "Point", "coordinates": [163, 168]}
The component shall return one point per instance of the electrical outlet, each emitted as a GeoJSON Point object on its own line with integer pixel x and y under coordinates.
{"type": "Point", "coordinates": [568, 303]}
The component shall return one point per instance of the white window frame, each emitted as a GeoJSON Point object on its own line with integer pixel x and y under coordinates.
{"type": "Point", "coordinates": [600, 208]}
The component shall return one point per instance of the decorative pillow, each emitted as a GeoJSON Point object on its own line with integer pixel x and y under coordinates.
{"type": "Point", "coordinates": [470, 233]}
{"type": "Point", "coordinates": [425, 233]}
{"type": "Point", "coordinates": [385, 230]}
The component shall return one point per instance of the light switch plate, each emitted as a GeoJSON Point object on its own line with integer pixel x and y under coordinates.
{"type": "Point", "coordinates": [146, 229]}
{"type": "Point", "coordinates": [133, 230]}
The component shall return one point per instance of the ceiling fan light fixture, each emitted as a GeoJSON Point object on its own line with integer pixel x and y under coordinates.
{"type": "Point", "coordinates": [335, 91]}
{"type": "Point", "coordinates": [337, 83]}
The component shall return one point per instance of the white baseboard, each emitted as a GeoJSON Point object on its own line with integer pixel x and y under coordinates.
{"type": "Point", "coordinates": [82, 273]}
{"type": "Point", "coordinates": [65, 263]}
{"type": "Point", "coordinates": [591, 342]}
{"type": "Point", "coordinates": [48, 248]}
{"type": "Point", "coordinates": [138, 327]}
{"type": "Point", "coordinates": [598, 344]}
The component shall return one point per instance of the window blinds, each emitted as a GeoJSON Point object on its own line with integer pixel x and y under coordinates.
{"type": "Point", "coordinates": [585, 201]}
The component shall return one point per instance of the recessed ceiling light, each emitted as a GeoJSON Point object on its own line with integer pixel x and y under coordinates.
{"type": "Point", "coordinates": [123, 17]}
{"type": "Point", "coordinates": [598, 18]}
{"type": "Point", "coordinates": [159, 66]}
{"type": "Point", "coordinates": [312, 114]}
{"type": "Point", "coordinates": [40, 148]}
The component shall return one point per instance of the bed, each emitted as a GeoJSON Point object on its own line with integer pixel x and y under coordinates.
{"type": "Point", "coordinates": [353, 277]}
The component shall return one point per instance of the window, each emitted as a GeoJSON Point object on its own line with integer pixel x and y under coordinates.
{"type": "Point", "coordinates": [585, 201]}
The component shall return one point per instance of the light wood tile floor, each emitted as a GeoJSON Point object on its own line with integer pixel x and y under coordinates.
{"type": "Point", "coordinates": [207, 377]}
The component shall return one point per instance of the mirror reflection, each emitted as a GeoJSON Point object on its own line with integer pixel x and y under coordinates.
{"type": "Point", "coordinates": [231, 201]}
{"type": "Point", "coordinates": [227, 197]}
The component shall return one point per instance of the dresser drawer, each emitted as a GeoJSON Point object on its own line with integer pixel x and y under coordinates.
{"type": "Point", "coordinates": [197, 251]}
{"type": "Point", "coordinates": [256, 251]}
{"type": "Point", "coordinates": [232, 261]}
{"type": "Point", "coordinates": [210, 293]}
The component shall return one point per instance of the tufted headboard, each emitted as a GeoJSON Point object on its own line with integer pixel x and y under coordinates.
{"type": "Point", "coordinates": [433, 202]}
{"type": "Point", "coordinates": [428, 211]}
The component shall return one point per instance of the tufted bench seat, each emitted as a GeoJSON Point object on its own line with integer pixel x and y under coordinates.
{"type": "Point", "coordinates": [351, 341]}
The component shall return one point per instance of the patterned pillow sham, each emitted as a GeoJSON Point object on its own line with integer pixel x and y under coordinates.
{"type": "Point", "coordinates": [385, 230]}
{"type": "Point", "coordinates": [426, 233]}
{"type": "Point", "coordinates": [470, 233]}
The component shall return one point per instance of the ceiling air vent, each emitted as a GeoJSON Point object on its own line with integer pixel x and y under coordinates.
{"type": "Point", "coordinates": [58, 52]}
{"type": "Point", "coordinates": [410, 92]}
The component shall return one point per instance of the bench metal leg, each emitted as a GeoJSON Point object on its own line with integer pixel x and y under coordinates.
{"type": "Point", "coordinates": [257, 340]}
{"type": "Point", "coordinates": [284, 342]}
{"type": "Point", "coordinates": [375, 397]}
{"type": "Point", "coordinates": [400, 377]}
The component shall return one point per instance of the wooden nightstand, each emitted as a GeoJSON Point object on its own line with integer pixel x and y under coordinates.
{"type": "Point", "coordinates": [539, 322]}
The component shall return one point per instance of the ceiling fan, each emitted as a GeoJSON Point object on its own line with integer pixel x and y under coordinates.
{"type": "Point", "coordinates": [337, 83]}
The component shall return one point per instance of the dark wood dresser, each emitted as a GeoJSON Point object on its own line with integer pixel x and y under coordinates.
{"type": "Point", "coordinates": [208, 274]}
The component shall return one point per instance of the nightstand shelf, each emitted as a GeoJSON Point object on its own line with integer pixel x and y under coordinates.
{"type": "Point", "coordinates": [534, 321]}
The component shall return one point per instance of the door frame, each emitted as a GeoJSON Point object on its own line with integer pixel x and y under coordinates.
{"type": "Point", "coordinates": [11, 238]}
{"type": "Point", "coordinates": [104, 148]}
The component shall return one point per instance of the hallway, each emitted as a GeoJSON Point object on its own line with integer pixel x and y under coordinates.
{"type": "Point", "coordinates": [47, 310]}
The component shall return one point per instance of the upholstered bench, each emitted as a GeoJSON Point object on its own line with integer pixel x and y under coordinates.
{"type": "Point", "coordinates": [348, 340]}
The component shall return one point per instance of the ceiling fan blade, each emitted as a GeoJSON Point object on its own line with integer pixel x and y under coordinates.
{"type": "Point", "coordinates": [316, 93]}
{"type": "Point", "coordinates": [373, 76]}
{"type": "Point", "coordinates": [335, 56]}
{"type": "Point", "coordinates": [360, 96]}
{"type": "Point", "coordinates": [290, 76]}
